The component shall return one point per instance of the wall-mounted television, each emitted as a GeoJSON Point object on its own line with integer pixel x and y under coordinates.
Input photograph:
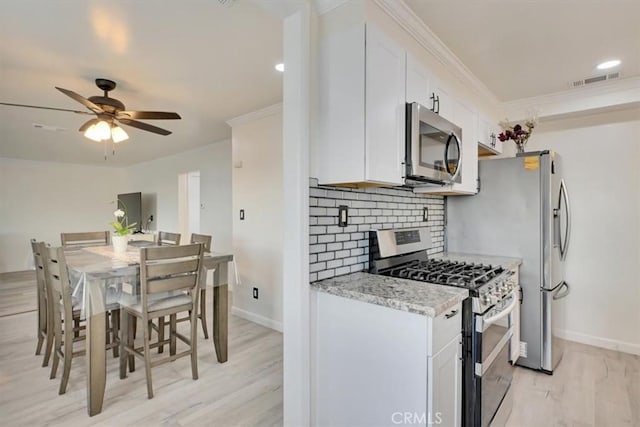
{"type": "Point", "coordinates": [131, 204]}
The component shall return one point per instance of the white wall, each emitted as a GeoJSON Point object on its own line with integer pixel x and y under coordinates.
{"type": "Point", "coordinates": [257, 240]}
{"type": "Point", "coordinates": [158, 181]}
{"type": "Point", "coordinates": [42, 199]}
{"type": "Point", "coordinates": [600, 164]}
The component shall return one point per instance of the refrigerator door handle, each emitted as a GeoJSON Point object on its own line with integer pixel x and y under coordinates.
{"type": "Point", "coordinates": [564, 243]}
{"type": "Point", "coordinates": [559, 295]}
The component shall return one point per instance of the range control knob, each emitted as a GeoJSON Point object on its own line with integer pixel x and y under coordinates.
{"type": "Point", "coordinates": [485, 299]}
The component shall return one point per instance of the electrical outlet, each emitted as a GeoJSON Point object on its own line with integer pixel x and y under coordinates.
{"type": "Point", "coordinates": [523, 349]}
{"type": "Point", "coordinates": [343, 216]}
{"type": "Point", "coordinates": [255, 293]}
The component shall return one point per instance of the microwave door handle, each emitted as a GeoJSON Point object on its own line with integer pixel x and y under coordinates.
{"type": "Point", "coordinates": [454, 176]}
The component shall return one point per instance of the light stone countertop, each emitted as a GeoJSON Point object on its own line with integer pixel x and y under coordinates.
{"type": "Point", "coordinates": [506, 262]}
{"type": "Point", "coordinates": [408, 295]}
{"type": "Point", "coordinates": [401, 294]}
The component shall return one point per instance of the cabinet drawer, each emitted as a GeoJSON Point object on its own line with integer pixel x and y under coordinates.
{"type": "Point", "coordinates": [446, 327]}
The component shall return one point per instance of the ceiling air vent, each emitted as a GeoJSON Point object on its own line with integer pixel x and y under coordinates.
{"type": "Point", "coordinates": [48, 127]}
{"type": "Point", "coordinates": [595, 79]}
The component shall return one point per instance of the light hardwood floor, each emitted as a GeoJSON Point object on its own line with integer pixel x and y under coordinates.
{"type": "Point", "coordinates": [592, 386]}
{"type": "Point", "coordinates": [245, 391]}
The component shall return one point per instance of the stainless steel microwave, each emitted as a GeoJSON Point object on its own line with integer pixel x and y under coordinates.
{"type": "Point", "coordinates": [433, 148]}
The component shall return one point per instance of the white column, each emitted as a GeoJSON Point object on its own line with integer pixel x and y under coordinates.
{"type": "Point", "coordinates": [296, 100]}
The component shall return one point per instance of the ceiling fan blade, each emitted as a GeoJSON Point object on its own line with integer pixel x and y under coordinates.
{"type": "Point", "coordinates": [44, 108]}
{"type": "Point", "coordinates": [147, 115]}
{"type": "Point", "coordinates": [81, 99]}
{"type": "Point", "coordinates": [144, 126]}
{"type": "Point", "coordinates": [87, 124]}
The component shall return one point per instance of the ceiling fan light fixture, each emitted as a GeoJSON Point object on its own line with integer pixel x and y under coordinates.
{"type": "Point", "coordinates": [103, 129]}
{"type": "Point", "coordinates": [92, 133]}
{"type": "Point", "coordinates": [118, 134]}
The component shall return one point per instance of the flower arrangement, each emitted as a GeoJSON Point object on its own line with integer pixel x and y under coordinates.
{"type": "Point", "coordinates": [518, 133]}
{"type": "Point", "coordinates": [121, 225]}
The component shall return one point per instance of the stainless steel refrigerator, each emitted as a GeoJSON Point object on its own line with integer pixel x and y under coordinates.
{"type": "Point", "coordinates": [522, 210]}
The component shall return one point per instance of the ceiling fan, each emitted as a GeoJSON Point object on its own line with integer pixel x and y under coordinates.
{"type": "Point", "coordinates": [109, 112]}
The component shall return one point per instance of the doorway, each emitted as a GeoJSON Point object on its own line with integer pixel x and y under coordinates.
{"type": "Point", "coordinates": [189, 205]}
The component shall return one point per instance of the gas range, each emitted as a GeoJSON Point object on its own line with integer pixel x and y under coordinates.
{"type": "Point", "coordinates": [487, 316]}
{"type": "Point", "coordinates": [403, 254]}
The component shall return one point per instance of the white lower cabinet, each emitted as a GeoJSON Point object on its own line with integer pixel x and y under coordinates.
{"type": "Point", "coordinates": [378, 366]}
{"type": "Point", "coordinates": [445, 384]}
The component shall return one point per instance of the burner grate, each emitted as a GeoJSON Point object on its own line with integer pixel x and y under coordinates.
{"type": "Point", "coordinates": [444, 272]}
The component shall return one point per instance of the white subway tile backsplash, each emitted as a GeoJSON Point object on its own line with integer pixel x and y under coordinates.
{"type": "Point", "coordinates": [341, 250]}
{"type": "Point", "coordinates": [333, 246]}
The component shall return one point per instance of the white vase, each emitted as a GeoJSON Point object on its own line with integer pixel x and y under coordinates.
{"type": "Point", "coordinates": [119, 243]}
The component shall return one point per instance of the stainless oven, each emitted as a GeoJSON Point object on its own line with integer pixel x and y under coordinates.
{"type": "Point", "coordinates": [433, 148]}
{"type": "Point", "coordinates": [491, 361]}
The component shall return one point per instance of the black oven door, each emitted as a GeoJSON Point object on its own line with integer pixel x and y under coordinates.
{"type": "Point", "coordinates": [493, 370]}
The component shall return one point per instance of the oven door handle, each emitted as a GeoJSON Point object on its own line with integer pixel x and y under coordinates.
{"type": "Point", "coordinates": [493, 319]}
{"type": "Point", "coordinates": [481, 368]}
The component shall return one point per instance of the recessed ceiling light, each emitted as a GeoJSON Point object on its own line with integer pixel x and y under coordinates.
{"type": "Point", "coordinates": [280, 67]}
{"type": "Point", "coordinates": [608, 64]}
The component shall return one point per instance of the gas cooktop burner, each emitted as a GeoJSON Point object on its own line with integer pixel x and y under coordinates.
{"type": "Point", "coordinates": [452, 273]}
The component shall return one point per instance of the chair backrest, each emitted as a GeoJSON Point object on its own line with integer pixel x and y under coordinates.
{"type": "Point", "coordinates": [202, 238]}
{"type": "Point", "coordinates": [41, 281]}
{"type": "Point", "coordinates": [58, 280]}
{"type": "Point", "coordinates": [169, 269]}
{"type": "Point", "coordinates": [92, 238]}
{"type": "Point", "coordinates": [168, 239]}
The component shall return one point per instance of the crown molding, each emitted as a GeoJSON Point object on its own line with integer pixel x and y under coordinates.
{"type": "Point", "coordinates": [256, 115]}
{"type": "Point", "coordinates": [410, 22]}
{"type": "Point", "coordinates": [615, 94]}
{"type": "Point", "coordinates": [324, 6]}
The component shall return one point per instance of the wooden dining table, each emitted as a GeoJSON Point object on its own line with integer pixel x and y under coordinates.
{"type": "Point", "coordinates": [97, 271]}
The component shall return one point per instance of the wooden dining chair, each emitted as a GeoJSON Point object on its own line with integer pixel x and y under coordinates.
{"type": "Point", "coordinates": [169, 280]}
{"type": "Point", "coordinates": [202, 314]}
{"type": "Point", "coordinates": [65, 313]}
{"type": "Point", "coordinates": [83, 240]}
{"type": "Point", "coordinates": [45, 329]}
{"type": "Point", "coordinates": [80, 240]}
{"type": "Point", "coordinates": [168, 239]}
{"type": "Point", "coordinates": [206, 242]}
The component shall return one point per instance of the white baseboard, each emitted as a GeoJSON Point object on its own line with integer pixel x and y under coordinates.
{"type": "Point", "coordinates": [625, 347]}
{"type": "Point", "coordinates": [256, 318]}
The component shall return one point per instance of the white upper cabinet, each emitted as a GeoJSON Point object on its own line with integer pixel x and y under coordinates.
{"type": "Point", "coordinates": [361, 94]}
{"type": "Point", "coordinates": [418, 79]}
{"type": "Point", "coordinates": [443, 102]}
{"type": "Point", "coordinates": [488, 142]}
{"type": "Point", "coordinates": [425, 89]}
{"type": "Point", "coordinates": [384, 108]}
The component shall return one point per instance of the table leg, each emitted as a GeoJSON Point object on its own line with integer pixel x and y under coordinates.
{"type": "Point", "coordinates": [95, 347]}
{"type": "Point", "coordinates": [220, 312]}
